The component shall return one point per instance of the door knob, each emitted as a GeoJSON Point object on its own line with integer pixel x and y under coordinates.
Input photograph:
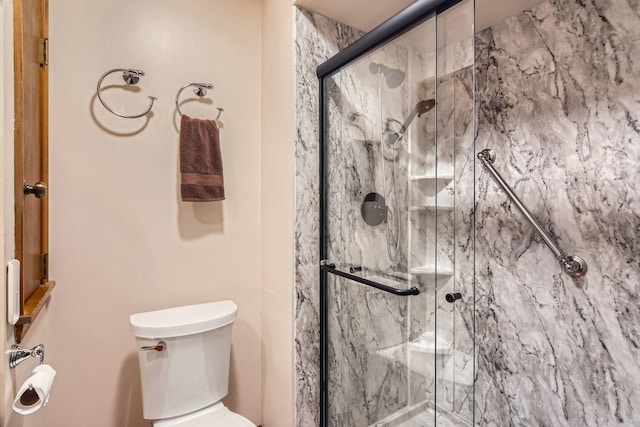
{"type": "Point", "coordinates": [39, 189]}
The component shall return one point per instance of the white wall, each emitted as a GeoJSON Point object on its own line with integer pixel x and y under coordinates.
{"type": "Point", "coordinates": [278, 133]}
{"type": "Point", "coordinates": [121, 242]}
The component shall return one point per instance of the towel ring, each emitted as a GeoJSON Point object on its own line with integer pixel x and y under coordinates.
{"type": "Point", "coordinates": [200, 89]}
{"type": "Point", "coordinates": [131, 77]}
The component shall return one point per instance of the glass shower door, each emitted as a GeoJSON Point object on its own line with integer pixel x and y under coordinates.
{"type": "Point", "coordinates": [455, 158]}
{"type": "Point", "coordinates": [398, 139]}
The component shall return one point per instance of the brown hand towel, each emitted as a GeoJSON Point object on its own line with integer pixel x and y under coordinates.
{"type": "Point", "coordinates": [200, 161]}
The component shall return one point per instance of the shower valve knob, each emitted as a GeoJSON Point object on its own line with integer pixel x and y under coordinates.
{"type": "Point", "coordinates": [453, 297]}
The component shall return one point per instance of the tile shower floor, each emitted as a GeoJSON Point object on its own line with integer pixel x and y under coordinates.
{"type": "Point", "coordinates": [422, 415]}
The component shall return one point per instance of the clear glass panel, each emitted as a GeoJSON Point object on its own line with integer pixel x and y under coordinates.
{"type": "Point", "coordinates": [454, 154]}
{"type": "Point", "coordinates": [399, 165]}
{"type": "Point", "coordinates": [368, 376]}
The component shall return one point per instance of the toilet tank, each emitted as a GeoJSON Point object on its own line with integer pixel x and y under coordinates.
{"type": "Point", "coordinates": [191, 372]}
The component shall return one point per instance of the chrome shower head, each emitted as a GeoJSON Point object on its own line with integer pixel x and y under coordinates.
{"type": "Point", "coordinates": [424, 106]}
{"type": "Point", "coordinates": [393, 77]}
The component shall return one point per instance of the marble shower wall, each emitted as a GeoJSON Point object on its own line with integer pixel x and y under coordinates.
{"type": "Point", "coordinates": [371, 374]}
{"type": "Point", "coordinates": [368, 361]}
{"type": "Point", "coordinates": [356, 101]}
{"type": "Point", "coordinates": [455, 244]}
{"type": "Point", "coordinates": [317, 39]}
{"type": "Point", "coordinates": [559, 101]}
{"type": "Point", "coordinates": [367, 379]}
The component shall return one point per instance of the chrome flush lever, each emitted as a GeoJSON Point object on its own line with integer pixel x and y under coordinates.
{"type": "Point", "coordinates": [160, 346]}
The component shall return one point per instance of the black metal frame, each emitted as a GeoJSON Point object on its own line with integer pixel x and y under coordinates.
{"type": "Point", "coordinates": [331, 268]}
{"type": "Point", "coordinates": [410, 17]}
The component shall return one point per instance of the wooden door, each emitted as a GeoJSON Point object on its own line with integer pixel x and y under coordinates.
{"type": "Point", "coordinates": [31, 143]}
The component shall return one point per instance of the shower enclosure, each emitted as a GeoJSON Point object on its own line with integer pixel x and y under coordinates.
{"type": "Point", "coordinates": [397, 223]}
{"type": "Point", "coordinates": [480, 217]}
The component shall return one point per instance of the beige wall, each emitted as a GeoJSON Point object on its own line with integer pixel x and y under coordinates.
{"type": "Point", "coordinates": [38, 333]}
{"type": "Point", "coordinates": [277, 212]}
{"type": "Point", "coordinates": [121, 241]}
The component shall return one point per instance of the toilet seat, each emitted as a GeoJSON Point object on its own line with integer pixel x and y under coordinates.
{"type": "Point", "coordinates": [216, 415]}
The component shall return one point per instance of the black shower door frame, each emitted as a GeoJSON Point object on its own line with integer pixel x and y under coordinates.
{"type": "Point", "coordinates": [407, 19]}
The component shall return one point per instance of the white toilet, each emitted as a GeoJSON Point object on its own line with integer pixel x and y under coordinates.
{"type": "Point", "coordinates": [184, 365]}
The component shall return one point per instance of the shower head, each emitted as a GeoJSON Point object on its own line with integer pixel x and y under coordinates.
{"type": "Point", "coordinates": [393, 77]}
{"type": "Point", "coordinates": [424, 106]}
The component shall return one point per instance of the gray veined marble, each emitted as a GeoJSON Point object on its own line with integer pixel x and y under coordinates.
{"type": "Point", "coordinates": [385, 354]}
{"type": "Point", "coordinates": [317, 39]}
{"type": "Point", "coordinates": [559, 101]}
{"type": "Point", "coordinates": [557, 92]}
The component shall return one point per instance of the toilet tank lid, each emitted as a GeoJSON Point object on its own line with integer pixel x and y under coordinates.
{"type": "Point", "coordinates": [180, 321]}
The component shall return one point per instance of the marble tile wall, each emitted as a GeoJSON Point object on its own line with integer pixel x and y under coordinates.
{"type": "Point", "coordinates": [455, 245]}
{"type": "Point", "coordinates": [367, 378]}
{"type": "Point", "coordinates": [317, 39]}
{"type": "Point", "coordinates": [368, 359]}
{"type": "Point", "coordinates": [356, 100]}
{"type": "Point", "coordinates": [559, 101]}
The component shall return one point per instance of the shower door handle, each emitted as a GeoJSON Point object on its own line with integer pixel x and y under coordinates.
{"type": "Point", "coordinates": [451, 298]}
{"type": "Point", "coordinates": [331, 268]}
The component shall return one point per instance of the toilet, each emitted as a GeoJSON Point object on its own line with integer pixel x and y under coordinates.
{"type": "Point", "coordinates": [184, 365]}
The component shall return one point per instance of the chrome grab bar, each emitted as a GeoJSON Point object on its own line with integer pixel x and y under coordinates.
{"type": "Point", "coordinates": [574, 265]}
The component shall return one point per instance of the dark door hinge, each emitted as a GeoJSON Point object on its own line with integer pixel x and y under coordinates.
{"type": "Point", "coordinates": [44, 267]}
{"type": "Point", "coordinates": [43, 51]}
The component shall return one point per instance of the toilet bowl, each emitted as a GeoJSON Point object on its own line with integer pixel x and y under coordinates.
{"type": "Point", "coordinates": [216, 415]}
{"type": "Point", "coordinates": [184, 365]}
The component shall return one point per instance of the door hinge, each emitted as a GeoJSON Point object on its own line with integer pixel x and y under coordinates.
{"type": "Point", "coordinates": [43, 51]}
{"type": "Point", "coordinates": [44, 267]}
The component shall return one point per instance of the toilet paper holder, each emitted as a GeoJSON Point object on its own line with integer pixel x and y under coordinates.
{"type": "Point", "coordinates": [18, 354]}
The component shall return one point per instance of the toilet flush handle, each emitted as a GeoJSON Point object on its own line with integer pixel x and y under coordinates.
{"type": "Point", "coordinates": [161, 346]}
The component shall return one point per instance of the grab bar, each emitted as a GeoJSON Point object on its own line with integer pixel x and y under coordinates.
{"type": "Point", "coordinates": [574, 265]}
{"type": "Point", "coordinates": [331, 268]}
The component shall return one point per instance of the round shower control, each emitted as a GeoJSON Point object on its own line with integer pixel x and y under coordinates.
{"type": "Point", "coordinates": [374, 209]}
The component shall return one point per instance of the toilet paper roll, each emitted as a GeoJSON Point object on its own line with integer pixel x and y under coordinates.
{"type": "Point", "coordinates": [34, 392]}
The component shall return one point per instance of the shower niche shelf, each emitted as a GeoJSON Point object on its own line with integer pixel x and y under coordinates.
{"type": "Point", "coordinates": [430, 269]}
{"type": "Point", "coordinates": [431, 196]}
{"type": "Point", "coordinates": [431, 207]}
{"type": "Point", "coordinates": [429, 183]}
{"type": "Point", "coordinates": [443, 203]}
{"type": "Point", "coordinates": [432, 178]}
{"type": "Point", "coordinates": [430, 343]}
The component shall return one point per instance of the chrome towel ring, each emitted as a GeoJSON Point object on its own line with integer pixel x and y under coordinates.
{"type": "Point", "coordinates": [200, 89]}
{"type": "Point", "coordinates": [131, 77]}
